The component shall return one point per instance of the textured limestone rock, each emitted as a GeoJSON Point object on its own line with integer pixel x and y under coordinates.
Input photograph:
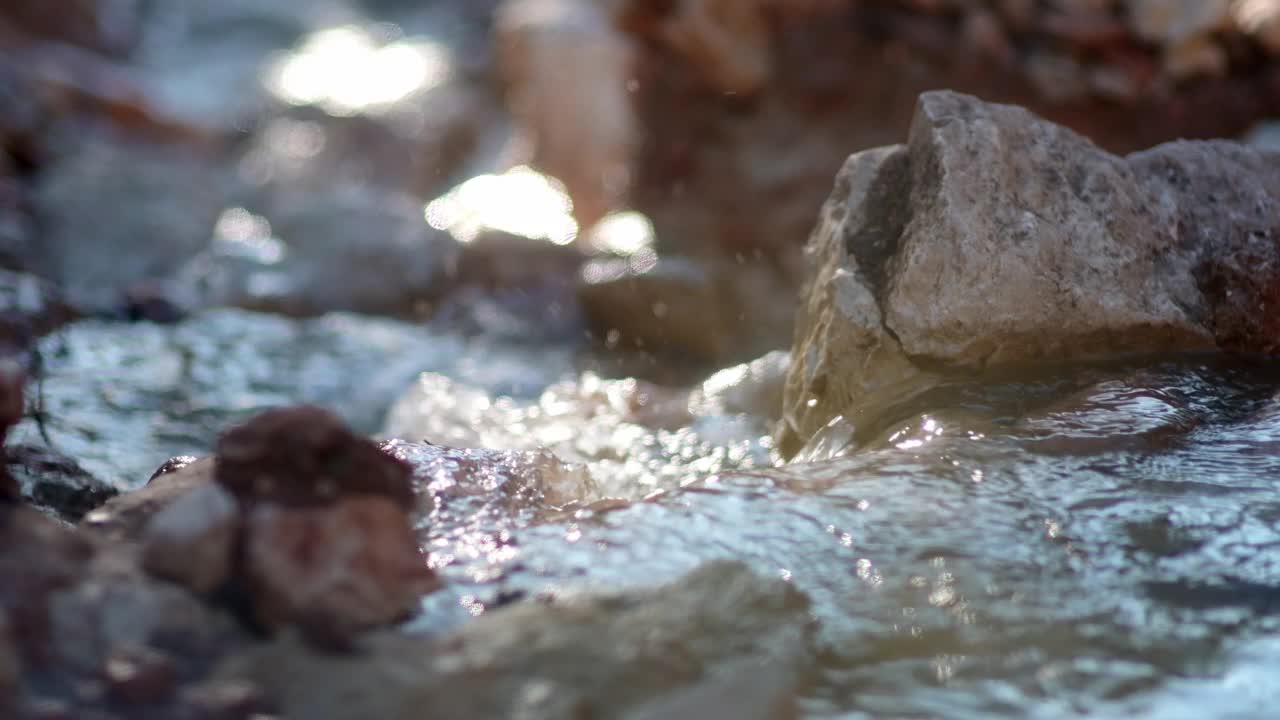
{"type": "Point", "coordinates": [994, 237]}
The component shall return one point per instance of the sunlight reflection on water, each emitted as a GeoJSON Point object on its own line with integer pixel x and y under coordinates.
{"type": "Point", "coordinates": [350, 69]}
{"type": "Point", "coordinates": [520, 201]}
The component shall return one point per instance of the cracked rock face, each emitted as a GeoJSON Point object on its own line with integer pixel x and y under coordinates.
{"type": "Point", "coordinates": [994, 237]}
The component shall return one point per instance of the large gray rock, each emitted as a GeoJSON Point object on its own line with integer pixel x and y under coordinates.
{"type": "Point", "coordinates": [994, 237]}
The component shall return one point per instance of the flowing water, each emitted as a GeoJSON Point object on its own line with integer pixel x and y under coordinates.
{"type": "Point", "coordinates": [1055, 542]}
{"type": "Point", "coordinates": [1097, 541]}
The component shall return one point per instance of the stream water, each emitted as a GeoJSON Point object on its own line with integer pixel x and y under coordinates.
{"type": "Point", "coordinates": [1058, 542]}
{"type": "Point", "coordinates": [1091, 542]}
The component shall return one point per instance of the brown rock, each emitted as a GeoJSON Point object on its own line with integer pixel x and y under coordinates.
{"type": "Point", "coordinates": [565, 68]}
{"type": "Point", "coordinates": [351, 565]}
{"type": "Point", "coordinates": [306, 456]}
{"type": "Point", "coordinates": [192, 540]}
{"type": "Point", "coordinates": [173, 464]}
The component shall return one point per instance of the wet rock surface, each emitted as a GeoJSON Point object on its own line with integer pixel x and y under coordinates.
{"type": "Point", "coordinates": [326, 537]}
{"type": "Point", "coordinates": [296, 522]}
{"type": "Point", "coordinates": [995, 237]}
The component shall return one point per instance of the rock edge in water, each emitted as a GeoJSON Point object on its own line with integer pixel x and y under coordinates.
{"type": "Point", "coordinates": [994, 237]}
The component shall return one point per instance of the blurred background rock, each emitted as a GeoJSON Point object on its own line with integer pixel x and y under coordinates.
{"type": "Point", "coordinates": [162, 157]}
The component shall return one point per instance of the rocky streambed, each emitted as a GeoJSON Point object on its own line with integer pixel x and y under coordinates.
{"type": "Point", "coordinates": [1052, 495]}
{"type": "Point", "coordinates": [317, 403]}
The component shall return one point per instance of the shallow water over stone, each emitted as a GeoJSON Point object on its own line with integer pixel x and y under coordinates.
{"type": "Point", "coordinates": [1091, 540]}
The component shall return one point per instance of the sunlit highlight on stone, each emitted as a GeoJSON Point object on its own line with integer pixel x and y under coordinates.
{"type": "Point", "coordinates": [520, 201]}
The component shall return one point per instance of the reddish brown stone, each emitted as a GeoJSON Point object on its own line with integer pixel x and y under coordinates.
{"type": "Point", "coordinates": [306, 456]}
{"type": "Point", "coordinates": [352, 565]}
